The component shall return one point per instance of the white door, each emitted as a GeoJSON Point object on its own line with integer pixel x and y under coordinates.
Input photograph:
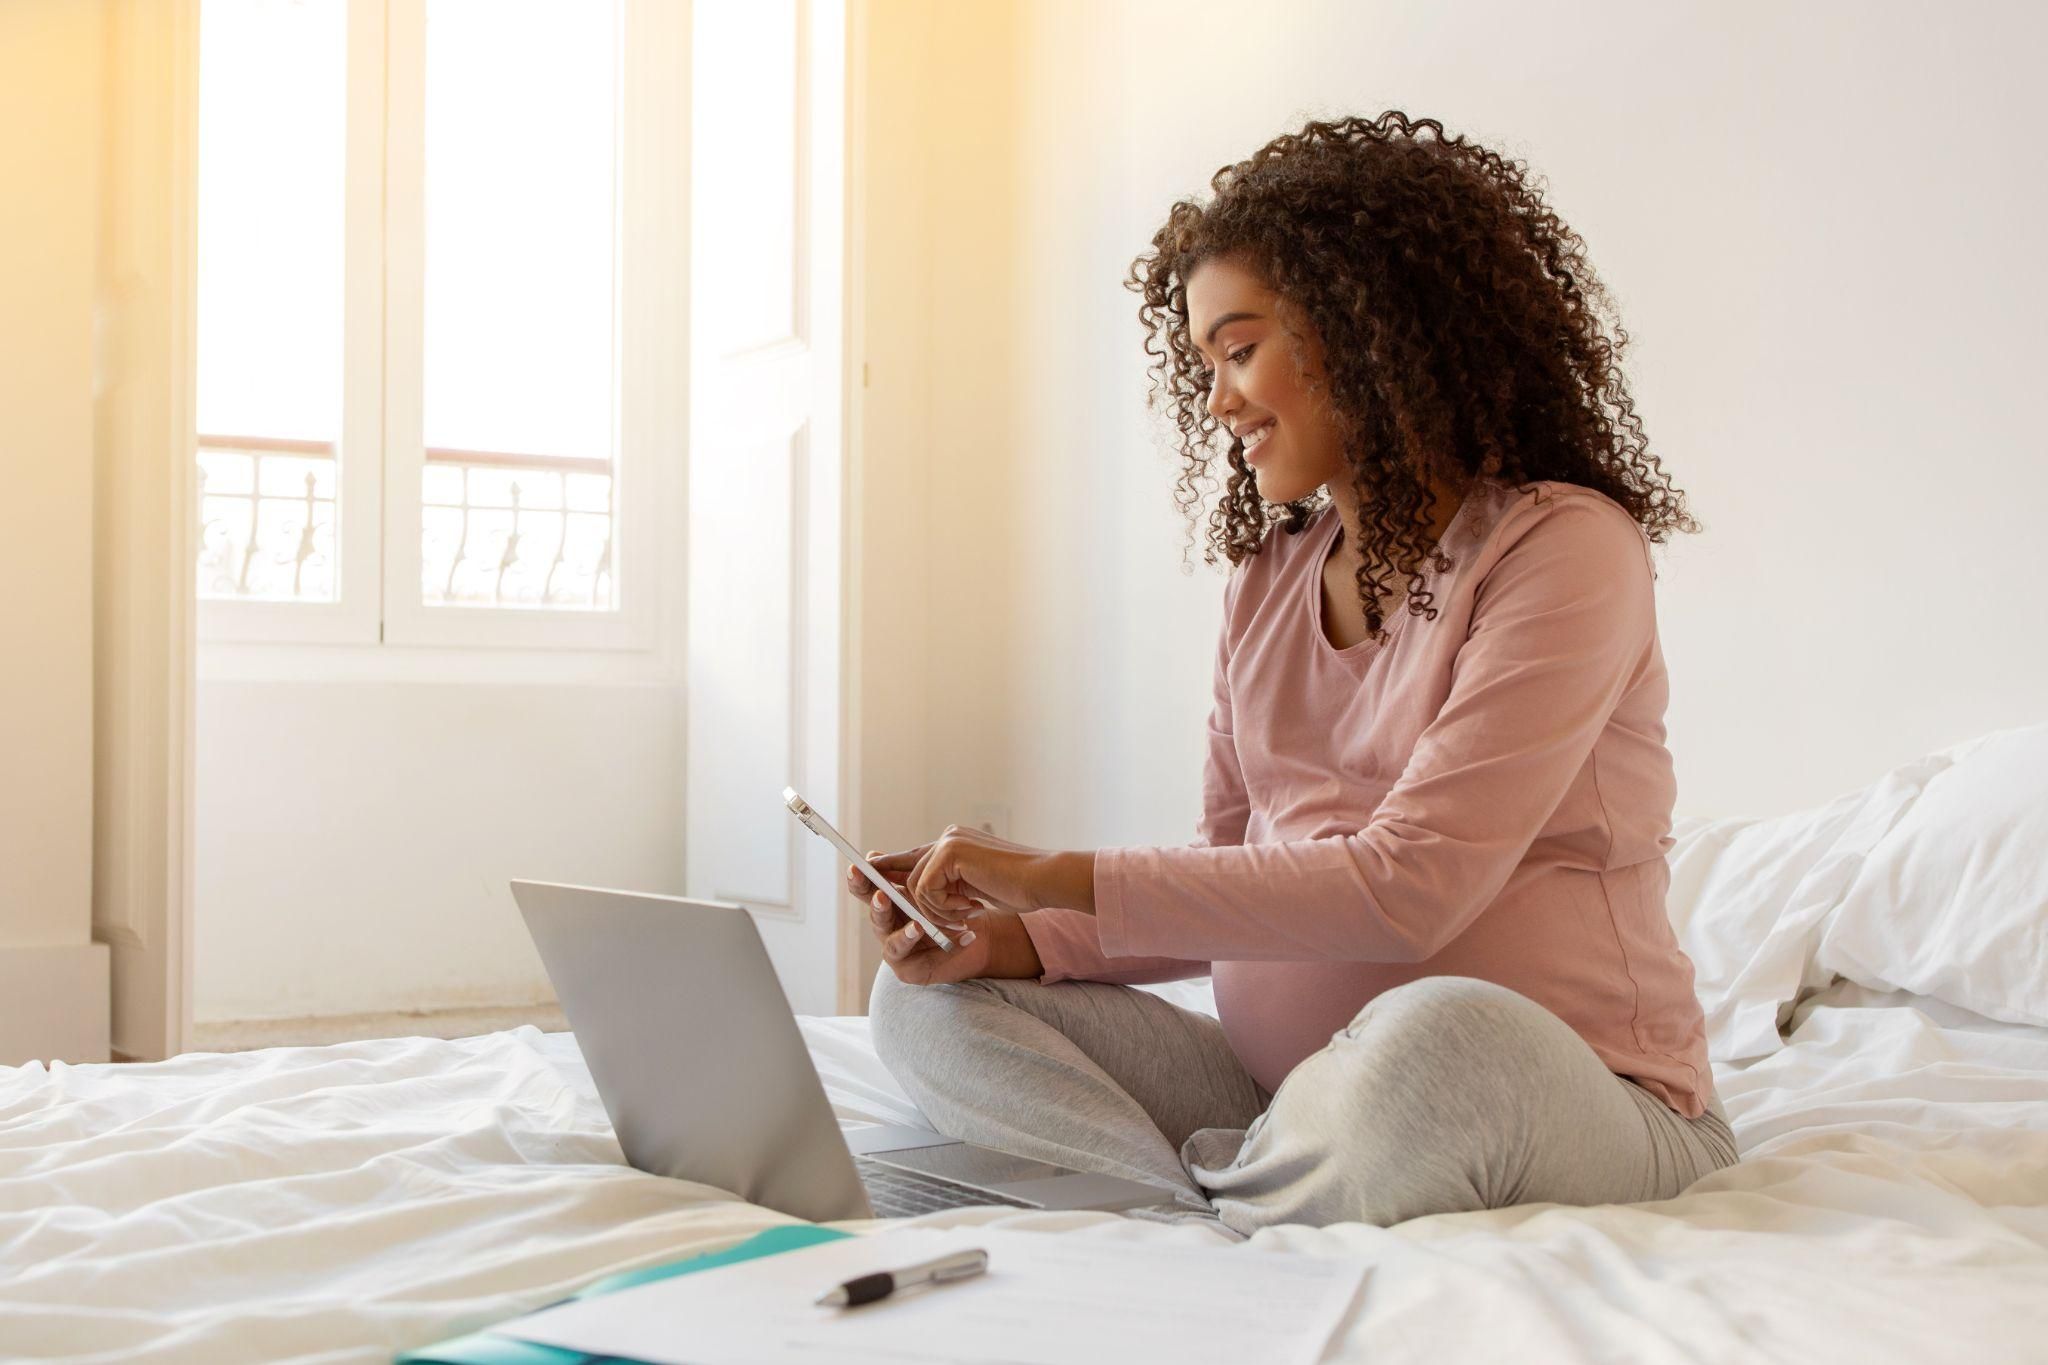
{"type": "Point", "coordinates": [765, 472]}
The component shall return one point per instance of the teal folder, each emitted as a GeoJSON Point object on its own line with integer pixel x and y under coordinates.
{"type": "Point", "coordinates": [488, 1348]}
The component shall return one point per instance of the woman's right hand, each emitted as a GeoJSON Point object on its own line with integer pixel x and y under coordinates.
{"type": "Point", "coordinates": [1000, 946]}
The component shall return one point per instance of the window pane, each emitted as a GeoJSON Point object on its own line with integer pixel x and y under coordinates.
{"type": "Point", "coordinates": [744, 105]}
{"type": "Point", "coordinates": [272, 109]}
{"type": "Point", "coordinates": [515, 538]}
{"type": "Point", "coordinates": [519, 365]}
{"type": "Point", "coordinates": [266, 524]}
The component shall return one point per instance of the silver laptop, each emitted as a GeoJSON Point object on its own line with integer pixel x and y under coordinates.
{"type": "Point", "coordinates": [704, 1072]}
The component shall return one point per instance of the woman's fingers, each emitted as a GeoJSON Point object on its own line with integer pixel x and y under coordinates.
{"type": "Point", "coordinates": [944, 910]}
{"type": "Point", "coordinates": [857, 880]}
{"type": "Point", "coordinates": [929, 885]}
{"type": "Point", "coordinates": [950, 907]}
{"type": "Point", "coordinates": [904, 942]}
{"type": "Point", "coordinates": [900, 936]}
{"type": "Point", "coordinates": [883, 915]}
{"type": "Point", "coordinates": [929, 875]}
{"type": "Point", "coordinates": [890, 864]}
{"type": "Point", "coordinates": [886, 919]}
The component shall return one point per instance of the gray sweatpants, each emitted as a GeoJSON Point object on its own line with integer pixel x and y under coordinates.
{"type": "Point", "coordinates": [1444, 1094]}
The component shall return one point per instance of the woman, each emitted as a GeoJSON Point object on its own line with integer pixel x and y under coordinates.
{"type": "Point", "coordinates": [1430, 879]}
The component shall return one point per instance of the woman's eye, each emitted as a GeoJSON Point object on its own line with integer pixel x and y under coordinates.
{"type": "Point", "coordinates": [1238, 356]}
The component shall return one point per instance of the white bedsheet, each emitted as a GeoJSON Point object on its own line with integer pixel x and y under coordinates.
{"type": "Point", "coordinates": [343, 1203]}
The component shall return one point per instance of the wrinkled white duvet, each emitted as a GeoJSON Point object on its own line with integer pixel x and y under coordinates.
{"type": "Point", "coordinates": [344, 1203]}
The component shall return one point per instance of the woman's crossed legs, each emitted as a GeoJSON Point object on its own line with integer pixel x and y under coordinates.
{"type": "Point", "coordinates": [1444, 1094]}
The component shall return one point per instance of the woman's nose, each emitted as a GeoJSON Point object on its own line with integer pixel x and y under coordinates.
{"type": "Point", "coordinates": [1221, 401]}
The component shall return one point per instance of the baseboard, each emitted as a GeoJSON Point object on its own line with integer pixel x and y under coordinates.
{"type": "Point", "coordinates": [247, 1035]}
{"type": "Point", "coordinates": [54, 1003]}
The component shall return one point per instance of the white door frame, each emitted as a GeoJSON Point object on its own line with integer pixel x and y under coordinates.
{"type": "Point", "coordinates": [144, 489]}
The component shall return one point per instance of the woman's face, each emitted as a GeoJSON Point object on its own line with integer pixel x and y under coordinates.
{"type": "Point", "coordinates": [1293, 442]}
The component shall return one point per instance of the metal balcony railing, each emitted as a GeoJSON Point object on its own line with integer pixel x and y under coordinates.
{"type": "Point", "coordinates": [497, 528]}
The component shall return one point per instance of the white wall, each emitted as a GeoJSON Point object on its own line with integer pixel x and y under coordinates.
{"type": "Point", "coordinates": [889, 496]}
{"type": "Point", "coordinates": [53, 979]}
{"type": "Point", "coordinates": [935, 226]}
{"type": "Point", "coordinates": [355, 838]}
{"type": "Point", "coordinates": [1821, 225]}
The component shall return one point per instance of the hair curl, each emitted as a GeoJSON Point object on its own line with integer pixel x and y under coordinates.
{"type": "Point", "coordinates": [1464, 334]}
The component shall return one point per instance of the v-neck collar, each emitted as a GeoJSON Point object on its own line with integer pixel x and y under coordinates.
{"type": "Point", "coordinates": [1398, 612]}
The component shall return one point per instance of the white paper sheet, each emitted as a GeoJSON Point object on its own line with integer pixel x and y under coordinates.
{"type": "Point", "coordinates": [1044, 1301]}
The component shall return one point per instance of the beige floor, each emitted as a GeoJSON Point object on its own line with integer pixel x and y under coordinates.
{"type": "Point", "coordinates": [249, 1034]}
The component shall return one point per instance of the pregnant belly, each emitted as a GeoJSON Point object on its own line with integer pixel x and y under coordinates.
{"type": "Point", "coordinates": [1277, 1013]}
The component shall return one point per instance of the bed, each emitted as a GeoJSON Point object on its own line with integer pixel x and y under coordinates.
{"type": "Point", "coordinates": [1876, 979]}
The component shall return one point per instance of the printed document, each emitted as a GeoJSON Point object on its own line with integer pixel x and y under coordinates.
{"type": "Point", "coordinates": [1046, 1299]}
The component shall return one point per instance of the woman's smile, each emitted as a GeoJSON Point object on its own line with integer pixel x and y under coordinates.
{"type": "Point", "coordinates": [1255, 439]}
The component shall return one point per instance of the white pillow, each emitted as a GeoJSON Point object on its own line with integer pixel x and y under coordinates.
{"type": "Point", "coordinates": [1953, 901]}
{"type": "Point", "coordinates": [1750, 899]}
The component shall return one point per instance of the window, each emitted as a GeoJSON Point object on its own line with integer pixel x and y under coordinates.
{"type": "Point", "coordinates": [271, 175]}
{"type": "Point", "coordinates": [440, 313]}
{"type": "Point", "coordinates": [518, 370]}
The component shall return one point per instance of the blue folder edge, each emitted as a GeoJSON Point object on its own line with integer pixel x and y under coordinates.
{"type": "Point", "coordinates": [489, 1348]}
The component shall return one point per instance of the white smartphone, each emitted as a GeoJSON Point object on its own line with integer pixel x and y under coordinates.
{"type": "Point", "coordinates": [819, 825]}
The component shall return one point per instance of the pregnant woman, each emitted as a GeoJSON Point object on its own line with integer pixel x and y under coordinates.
{"type": "Point", "coordinates": [1430, 878]}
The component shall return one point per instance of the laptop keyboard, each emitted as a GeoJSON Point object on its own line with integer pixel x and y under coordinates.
{"type": "Point", "coordinates": [897, 1193]}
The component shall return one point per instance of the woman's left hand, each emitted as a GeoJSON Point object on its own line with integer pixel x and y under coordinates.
{"type": "Point", "coordinates": [965, 869]}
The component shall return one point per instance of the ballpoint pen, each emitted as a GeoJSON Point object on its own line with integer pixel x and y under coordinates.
{"type": "Point", "coordinates": [862, 1289]}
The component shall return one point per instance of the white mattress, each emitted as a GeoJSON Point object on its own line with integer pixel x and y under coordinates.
{"type": "Point", "coordinates": [344, 1203]}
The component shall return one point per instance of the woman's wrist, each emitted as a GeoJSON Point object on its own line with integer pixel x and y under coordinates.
{"type": "Point", "coordinates": [1011, 953]}
{"type": "Point", "coordinates": [1068, 882]}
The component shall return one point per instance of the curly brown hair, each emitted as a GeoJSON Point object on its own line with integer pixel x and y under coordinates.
{"type": "Point", "coordinates": [1465, 336]}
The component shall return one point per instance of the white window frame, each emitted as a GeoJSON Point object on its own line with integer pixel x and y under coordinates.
{"type": "Point", "coordinates": [380, 614]}
{"type": "Point", "coordinates": [354, 615]}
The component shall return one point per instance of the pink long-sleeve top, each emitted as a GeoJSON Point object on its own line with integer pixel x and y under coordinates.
{"type": "Point", "coordinates": [1487, 794]}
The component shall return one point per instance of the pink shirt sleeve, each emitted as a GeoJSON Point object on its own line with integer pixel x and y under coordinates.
{"type": "Point", "coordinates": [1560, 626]}
{"type": "Point", "coordinates": [1066, 939]}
